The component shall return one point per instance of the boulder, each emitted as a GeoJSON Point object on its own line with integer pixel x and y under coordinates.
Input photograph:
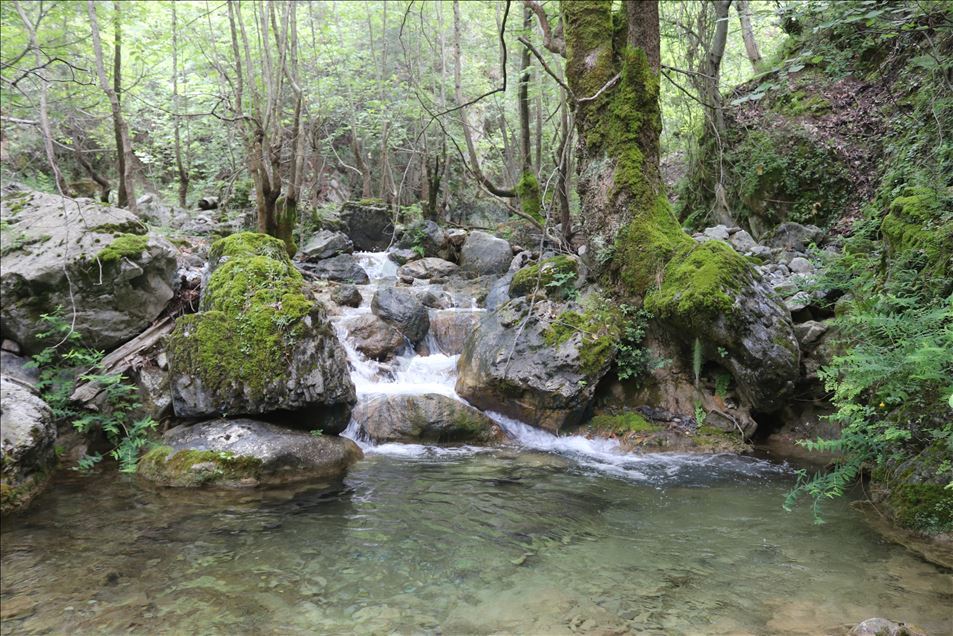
{"type": "Point", "coordinates": [456, 236]}
{"type": "Point", "coordinates": [259, 345]}
{"type": "Point", "coordinates": [427, 268]}
{"type": "Point", "coordinates": [425, 238]}
{"type": "Point", "coordinates": [18, 368]}
{"type": "Point", "coordinates": [792, 236]}
{"type": "Point", "coordinates": [538, 363]}
{"type": "Point", "coordinates": [208, 203]}
{"type": "Point", "coordinates": [60, 253]}
{"type": "Point", "coordinates": [325, 244]}
{"type": "Point", "coordinates": [742, 242]}
{"type": "Point", "coordinates": [718, 232]}
{"type": "Point", "coordinates": [343, 268]}
{"type": "Point", "coordinates": [368, 224]}
{"type": "Point", "coordinates": [423, 418]}
{"type": "Point", "coordinates": [402, 256]}
{"type": "Point", "coordinates": [27, 434]}
{"type": "Point", "coordinates": [244, 452]}
{"type": "Point", "coordinates": [347, 296]}
{"type": "Point", "coordinates": [401, 308]}
{"type": "Point", "coordinates": [883, 627]}
{"type": "Point", "coordinates": [484, 253]}
{"type": "Point", "coordinates": [450, 329]}
{"type": "Point", "coordinates": [374, 338]}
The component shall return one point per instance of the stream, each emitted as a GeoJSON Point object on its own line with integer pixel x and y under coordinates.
{"type": "Point", "coordinates": [543, 535]}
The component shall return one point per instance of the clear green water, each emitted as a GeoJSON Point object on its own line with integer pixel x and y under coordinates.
{"type": "Point", "coordinates": [501, 542]}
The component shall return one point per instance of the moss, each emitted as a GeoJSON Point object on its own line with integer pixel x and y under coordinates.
{"type": "Point", "coordinates": [700, 285]}
{"type": "Point", "coordinates": [190, 467]}
{"type": "Point", "coordinates": [917, 222]}
{"type": "Point", "coordinates": [924, 507]}
{"type": "Point", "coordinates": [546, 272]}
{"type": "Point", "coordinates": [132, 226]}
{"type": "Point", "coordinates": [374, 202]}
{"type": "Point", "coordinates": [123, 246]}
{"type": "Point", "coordinates": [253, 306]}
{"type": "Point", "coordinates": [621, 424]}
{"type": "Point", "coordinates": [286, 216]}
{"type": "Point", "coordinates": [799, 103]}
{"type": "Point", "coordinates": [527, 189]}
{"type": "Point", "coordinates": [647, 243]}
{"type": "Point", "coordinates": [598, 326]}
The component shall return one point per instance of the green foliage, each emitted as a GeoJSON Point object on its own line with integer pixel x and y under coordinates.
{"type": "Point", "coordinates": [632, 360]}
{"type": "Point", "coordinates": [629, 422]}
{"type": "Point", "coordinates": [556, 276]}
{"type": "Point", "coordinates": [527, 188]}
{"type": "Point", "coordinates": [122, 246]}
{"type": "Point", "coordinates": [66, 363]}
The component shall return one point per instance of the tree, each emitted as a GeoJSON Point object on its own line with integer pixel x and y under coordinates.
{"type": "Point", "coordinates": [183, 174]}
{"type": "Point", "coordinates": [747, 34]}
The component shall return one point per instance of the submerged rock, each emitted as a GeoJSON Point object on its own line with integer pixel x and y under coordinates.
{"type": "Point", "coordinates": [259, 345]}
{"type": "Point", "coordinates": [375, 338]}
{"type": "Point", "coordinates": [484, 253]}
{"type": "Point", "coordinates": [244, 452]}
{"type": "Point", "coordinates": [883, 627]}
{"type": "Point", "coordinates": [27, 434]}
{"type": "Point", "coordinates": [63, 254]}
{"type": "Point", "coordinates": [423, 418]}
{"type": "Point", "coordinates": [401, 308]}
{"type": "Point", "coordinates": [540, 366]}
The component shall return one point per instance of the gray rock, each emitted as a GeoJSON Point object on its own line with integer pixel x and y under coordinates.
{"type": "Point", "coordinates": [427, 237]}
{"type": "Point", "coordinates": [64, 253]}
{"type": "Point", "coordinates": [325, 244]}
{"type": "Point", "coordinates": [423, 418]}
{"type": "Point", "coordinates": [883, 627]}
{"type": "Point", "coordinates": [484, 253]}
{"type": "Point", "coordinates": [244, 452]}
{"type": "Point", "coordinates": [499, 293]}
{"type": "Point", "coordinates": [520, 373]}
{"type": "Point", "coordinates": [521, 260]}
{"type": "Point", "coordinates": [400, 307]}
{"type": "Point", "coordinates": [450, 329]}
{"type": "Point", "coordinates": [742, 242]}
{"type": "Point", "coordinates": [208, 203]}
{"type": "Point", "coordinates": [434, 299]}
{"type": "Point", "coordinates": [401, 256]}
{"type": "Point", "coordinates": [15, 367]}
{"type": "Point", "coordinates": [343, 268]}
{"type": "Point", "coordinates": [27, 434]}
{"type": "Point", "coordinates": [800, 265]}
{"type": "Point", "coordinates": [456, 236]}
{"type": "Point", "coordinates": [427, 268]}
{"type": "Point", "coordinates": [798, 301]}
{"type": "Point", "coordinates": [808, 333]}
{"type": "Point", "coordinates": [368, 225]}
{"type": "Point", "coordinates": [347, 296]}
{"type": "Point", "coordinates": [718, 232]}
{"type": "Point", "coordinates": [792, 236]}
{"type": "Point", "coordinates": [761, 251]}
{"type": "Point", "coordinates": [374, 338]}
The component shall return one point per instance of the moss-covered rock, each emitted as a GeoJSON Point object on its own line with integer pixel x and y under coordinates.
{"type": "Point", "coordinates": [243, 452]}
{"type": "Point", "coordinates": [917, 492]}
{"type": "Point", "coordinates": [555, 276]}
{"type": "Point", "coordinates": [919, 223]}
{"type": "Point", "coordinates": [27, 434]}
{"type": "Point", "coordinates": [123, 246]}
{"type": "Point", "coordinates": [259, 345]}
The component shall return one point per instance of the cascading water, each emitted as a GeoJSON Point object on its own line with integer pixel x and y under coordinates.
{"type": "Point", "coordinates": [413, 374]}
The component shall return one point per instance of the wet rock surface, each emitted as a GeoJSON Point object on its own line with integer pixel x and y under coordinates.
{"type": "Point", "coordinates": [343, 268]}
{"type": "Point", "coordinates": [27, 434]}
{"type": "Point", "coordinates": [401, 308]}
{"type": "Point", "coordinates": [484, 253]}
{"type": "Point", "coordinates": [423, 418]}
{"type": "Point", "coordinates": [374, 338]}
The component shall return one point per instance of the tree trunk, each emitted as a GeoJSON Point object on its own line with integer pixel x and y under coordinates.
{"type": "Point", "coordinates": [747, 34]}
{"type": "Point", "coordinates": [528, 186]}
{"type": "Point", "coordinates": [176, 120]}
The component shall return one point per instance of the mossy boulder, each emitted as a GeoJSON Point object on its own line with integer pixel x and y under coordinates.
{"type": "Point", "coordinates": [539, 364]}
{"type": "Point", "coordinates": [554, 276]}
{"type": "Point", "coordinates": [98, 264]}
{"type": "Point", "coordinates": [27, 434]}
{"type": "Point", "coordinates": [916, 494]}
{"type": "Point", "coordinates": [424, 418]}
{"type": "Point", "coordinates": [259, 345]}
{"type": "Point", "coordinates": [244, 452]}
{"type": "Point", "coordinates": [919, 226]}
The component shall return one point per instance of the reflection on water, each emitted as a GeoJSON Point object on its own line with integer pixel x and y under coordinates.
{"type": "Point", "coordinates": [499, 542]}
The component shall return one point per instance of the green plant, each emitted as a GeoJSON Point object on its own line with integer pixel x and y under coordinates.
{"type": "Point", "coordinates": [418, 245]}
{"type": "Point", "coordinates": [316, 432]}
{"type": "Point", "coordinates": [632, 359]}
{"type": "Point", "coordinates": [700, 413]}
{"type": "Point", "coordinates": [563, 282]}
{"type": "Point", "coordinates": [722, 381]}
{"type": "Point", "coordinates": [67, 362]}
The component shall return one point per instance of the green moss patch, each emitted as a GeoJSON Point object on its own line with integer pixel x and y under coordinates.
{"type": "Point", "coordinates": [547, 272]}
{"type": "Point", "coordinates": [622, 424]}
{"type": "Point", "coordinates": [123, 246]}
{"type": "Point", "coordinates": [248, 244]}
{"type": "Point", "coordinates": [918, 222]}
{"type": "Point", "coordinates": [189, 468]}
{"type": "Point", "coordinates": [599, 327]}
{"type": "Point", "coordinates": [527, 189]}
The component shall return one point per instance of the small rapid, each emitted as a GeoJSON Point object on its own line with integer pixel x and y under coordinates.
{"type": "Point", "coordinates": [435, 372]}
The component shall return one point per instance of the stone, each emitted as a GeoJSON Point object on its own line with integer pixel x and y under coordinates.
{"type": "Point", "coordinates": [800, 265]}
{"type": "Point", "coordinates": [761, 251]}
{"type": "Point", "coordinates": [374, 338]}
{"type": "Point", "coordinates": [518, 362]}
{"type": "Point", "coordinates": [61, 254]}
{"type": "Point", "coordinates": [798, 301]}
{"type": "Point", "coordinates": [259, 345]}
{"type": "Point", "coordinates": [208, 203]}
{"type": "Point", "coordinates": [16, 367]}
{"type": "Point", "coordinates": [883, 627]}
{"type": "Point", "coordinates": [456, 236]}
{"type": "Point", "coordinates": [742, 242]}
{"type": "Point", "coordinates": [368, 224]}
{"type": "Point", "coordinates": [425, 238]}
{"type": "Point", "coordinates": [434, 300]}
{"type": "Point", "coordinates": [499, 293]}
{"type": "Point", "coordinates": [450, 329]}
{"type": "Point", "coordinates": [809, 333]}
{"type": "Point", "coordinates": [27, 433]}
{"type": "Point", "coordinates": [423, 418]}
{"type": "Point", "coordinates": [792, 236]}
{"type": "Point", "coordinates": [347, 296]}
{"type": "Point", "coordinates": [325, 244]}
{"type": "Point", "coordinates": [400, 307]}
{"type": "Point", "coordinates": [401, 256]}
{"type": "Point", "coordinates": [245, 452]}
{"type": "Point", "coordinates": [484, 253]}
{"type": "Point", "coordinates": [343, 268]}
{"type": "Point", "coordinates": [718, 232]}
{"type": "Point", "coordinates": [427, 268]}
